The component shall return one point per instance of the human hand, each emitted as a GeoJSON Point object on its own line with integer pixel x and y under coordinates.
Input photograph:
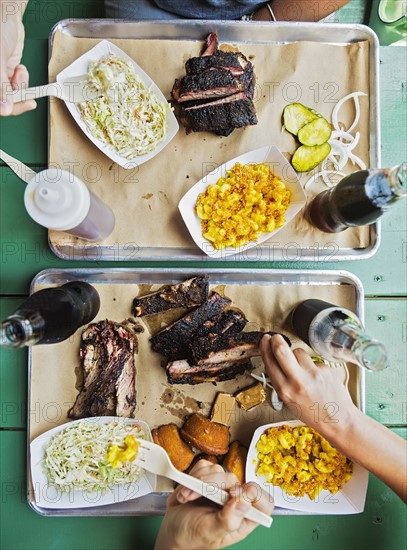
{"type": "Point", "coordinates": [13, 75]}
{"type": "Point", "coordinates": [311, 391]}
{"type": "Point", "coordinates": [194, 523]}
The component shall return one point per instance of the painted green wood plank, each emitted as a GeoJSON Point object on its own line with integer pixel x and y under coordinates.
{"type": "Point", "coordinates": [393, 104]}
{"type": "Point", "coordinates": [23, 243]}
{"type": "Point", "coordinates": [25, 137]}
{"type": "Point", "coordinates": [13, 377]}
{"type": "Point", "coordinates": [384, 273]}
{"type": "Point", "coordinates": [41, 15]}
{"type": "Point", "coordinates": [353, 12]}
{"type": "Point", "coordinates": [382, 526]}
{"type": "Point", "coordinates": [386, 390]}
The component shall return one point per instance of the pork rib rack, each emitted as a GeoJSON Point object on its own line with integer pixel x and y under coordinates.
{"type": "Point", "coordinates": [207, 344]}
{"type": "Point", "coordinates": [216, 94]}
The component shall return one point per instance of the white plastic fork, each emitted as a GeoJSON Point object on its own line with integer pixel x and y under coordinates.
{"type": "Point", "coordinates": [155, 459]}
{"type": "Point", "coordinates": [74, 89]}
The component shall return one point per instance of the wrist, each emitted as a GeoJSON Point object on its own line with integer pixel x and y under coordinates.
{"type": "Point", "coordinates": [164, 539]}
{"type": "Point", "coordinates": [343, 429]}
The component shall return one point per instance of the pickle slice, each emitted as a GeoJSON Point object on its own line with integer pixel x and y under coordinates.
{"type": "Point", "coordinates": [316, 132]}
{"type": "Point", "coordinates": [295, 116]}
{"type": "Point", "coordinates": [308, 157]}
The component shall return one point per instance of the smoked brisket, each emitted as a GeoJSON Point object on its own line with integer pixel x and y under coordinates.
{"type": "Point", "coordinates": [217, 91]}
{"type": "Point", "coordinates": [221, 116]}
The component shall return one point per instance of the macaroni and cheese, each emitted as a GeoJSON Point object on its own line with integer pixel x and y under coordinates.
{"type": "Point", "coordinates": [301, 461]}
{"type": "Point", "coordinates": [240, 207]}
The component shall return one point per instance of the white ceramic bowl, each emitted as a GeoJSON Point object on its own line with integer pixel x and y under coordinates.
{"type": "Point", "coordinates": [80, 67]}
{"type": "Point", "coordinates": [47, 496]}
{"type": "Point", "coordinates": [278, 165]}
{"type": "Point", "coordinates": [349, 500]}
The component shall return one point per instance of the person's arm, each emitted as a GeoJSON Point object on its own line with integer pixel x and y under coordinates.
{"type": "Point", "coordinates": [311, 391]}
{"type": "Point", "coordinates": [194, 523]}
{"type": "Point", "coordinates": [13, 75]}
{"type": "Point", "coordinates": [298, 10]}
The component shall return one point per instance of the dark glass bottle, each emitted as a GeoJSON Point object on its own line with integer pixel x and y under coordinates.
{"type": "Point", "coordinates": [358, 199]}
{"type": "Point", "coordinates": [337, 334]}
{"type": "Point", "coordinates": [50, 315]}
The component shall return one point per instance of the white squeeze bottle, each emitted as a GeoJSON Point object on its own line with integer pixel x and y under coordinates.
{"type": "Point", "coordinates": [58, 200]}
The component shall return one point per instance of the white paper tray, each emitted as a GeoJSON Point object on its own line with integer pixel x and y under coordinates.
{"type": "Point", "coordinates": [233, 31]}
{"type": "Point", "coordinates": [155, 503]}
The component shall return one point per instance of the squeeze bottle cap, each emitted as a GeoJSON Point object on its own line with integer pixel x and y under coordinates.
{"type": "Point", "coordinates": [57, 199]}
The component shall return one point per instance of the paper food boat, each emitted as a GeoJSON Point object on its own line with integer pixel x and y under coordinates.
{"type": "Point", "coordinates": [278, 165]}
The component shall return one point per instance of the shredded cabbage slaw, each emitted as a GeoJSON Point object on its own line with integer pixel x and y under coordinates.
{"type": "Point", "coordinates": [126, 115]}
{"type": "Point", "coordinates": [76, 457]}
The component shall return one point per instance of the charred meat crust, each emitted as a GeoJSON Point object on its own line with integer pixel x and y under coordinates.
{"type": "Point", "coordinates": [207, 344]}
{"type": "Point", "coordinates": [216, 93]}
{"type": "Point", "coordinates": [181, 372]}
{"type": "Point", "coordinates": [220, 117]}
{"type": "Point", "coordinates": [236, 63]}
{"type": "Point", "coordinates": [173, 340]}
{"type": "Point", "coordinates": [190, 293]}
{"type": "Point", "coordinates": [217, 357]}
{"type": "Point", "coordinates": [227, 322]}
{"type": "Point", "coordinates": [217, 348]}
{"type": "Point", "coordinates": [212, 83]}
{"type": "Point", "coordinates": [107, 352]}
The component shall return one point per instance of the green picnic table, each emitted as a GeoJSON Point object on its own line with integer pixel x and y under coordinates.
{"type": "Point", "coordinates": [25, 252]}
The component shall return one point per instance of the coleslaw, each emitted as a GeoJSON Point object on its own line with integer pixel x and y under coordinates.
{"type": "Point", "coordinates": [125, 114]}
{"type": "Point", "coordinates": [76, 458]}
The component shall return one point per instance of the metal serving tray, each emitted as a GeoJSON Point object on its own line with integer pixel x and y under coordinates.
{"type": "Point", "coordinates": [155, 503]}
{"type": "Point", "coordinates": [238, 32]}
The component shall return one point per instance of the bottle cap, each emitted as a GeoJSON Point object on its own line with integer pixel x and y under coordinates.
{"type": "Point", "coordinates": [57, 199]}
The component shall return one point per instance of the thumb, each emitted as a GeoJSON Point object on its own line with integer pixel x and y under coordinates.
{"type": "Point", "coordinates": [6, 107]}
{"type": "Point", "coordinates": [230, 517]}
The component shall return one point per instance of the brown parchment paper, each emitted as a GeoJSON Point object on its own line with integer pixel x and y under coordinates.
{"type": "Point", "coordinates": [54, 372]}
{"type": "Point", "coordinates": [145, 199]}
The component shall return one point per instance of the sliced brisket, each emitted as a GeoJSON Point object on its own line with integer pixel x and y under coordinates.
{"type": "Point", "coordinates": [236, 63]}
{"type": "Point", "coordinates": [216, 93]}
{"type": "Point", "coordinates": [206, 85]}
{"type": "Point", "coordinates": [221, 117]}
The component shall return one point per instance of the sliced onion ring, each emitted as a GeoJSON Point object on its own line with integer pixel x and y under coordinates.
{"type": "Point", "coordinates": [355, 96]}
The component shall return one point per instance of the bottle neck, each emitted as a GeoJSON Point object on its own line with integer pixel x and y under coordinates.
{"type": "Point", "coordinates": [22, 329]}
{"type": "Point", "coordinates": [397, 178]}
{"type": "Point", "coordinates": [370, 354]}
{"type": "Point", "coordinates": [337, 334]}
{"type": "Point", "coordinates": [350, 343]}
